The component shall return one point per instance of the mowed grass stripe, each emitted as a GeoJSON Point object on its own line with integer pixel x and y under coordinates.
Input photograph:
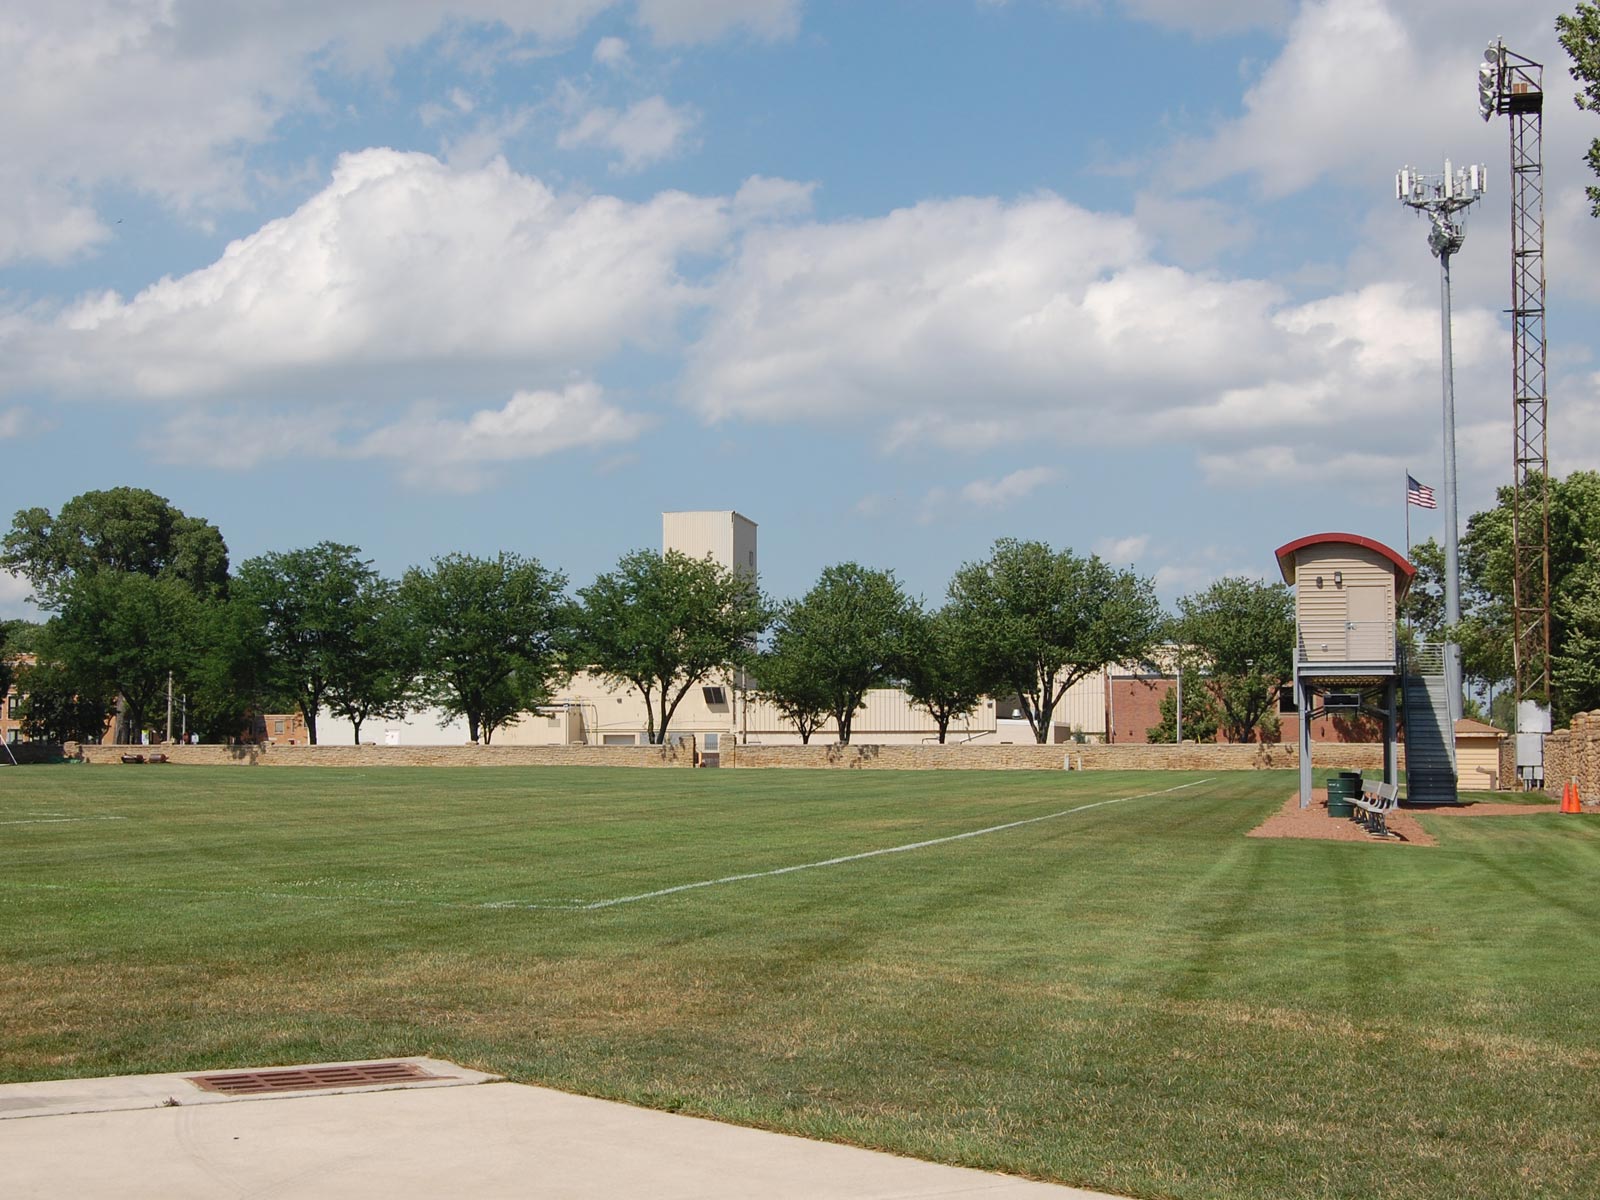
{"type": "Point", "coordinates": [572, 904]}
{"type": "Point", "coordinates": [577, 850]}
{"type": "Point", "coordinates": [1136, 998]}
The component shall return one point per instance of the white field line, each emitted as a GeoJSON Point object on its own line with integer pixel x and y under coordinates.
{"type": "Point", "coordinates": [592, 905]}
{"type": "Point", "coordinates": [848, 858]}
{"type": "Point", "coordinates": [59, 820]}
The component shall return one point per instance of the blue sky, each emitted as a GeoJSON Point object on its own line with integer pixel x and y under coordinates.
{"type": "Point", "coordinates": [893, 279]}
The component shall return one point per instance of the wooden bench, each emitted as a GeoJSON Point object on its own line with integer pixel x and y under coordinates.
{"type": "Point", "coordinates": [1376, 802]}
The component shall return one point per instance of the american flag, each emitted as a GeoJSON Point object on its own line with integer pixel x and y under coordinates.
{"type": "Point", "coordinates": [1419, 494]}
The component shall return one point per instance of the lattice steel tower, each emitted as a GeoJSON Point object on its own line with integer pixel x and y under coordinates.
{"type": "Point", "coordinates": [1513, 85]}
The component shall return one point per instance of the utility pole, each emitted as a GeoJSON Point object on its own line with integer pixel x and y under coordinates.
{"type": "Point", "coordinates": [1443, 199]}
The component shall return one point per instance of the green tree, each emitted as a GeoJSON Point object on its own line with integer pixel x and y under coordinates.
{"type": "Point", "coordinates": [311, 605]}
{"type": "Point", "coordinates": [664, 623]}
{"type": "Point", "coordinates": [1579, 33]}
{"type": "Point", "coordinates": [376, 676]}
{"type": "Point", "coordinates": [1041, 620]}
{"type": "Point", "coordinates": [7, 650]}
{"type": "Point", "coordinates": [1575, 666]}
{"type": "Point", "coordinates": [123, 529]}
{"type": "Point", "coordinates": [233, 678]}
{"type": "Point", "coordinates": [56, 709]}
{"type": "Point", "coordinates": [1484, 634]}
{"type": "Point", "coordinates": [788, 676]}
{"type": "Point", "coordinates": [128, 634]}
{"type": "Point", "coordinates": [1422, 610]}
{"type": "Point", "coordinates": [491, 635]}
{"type": "Point", "coordinates": [1241, 632]}
{"type": "Point", "coordinates": [851, 629]}
{"type": "Point", "coordinates": [940, 668]}
{"type": "Point", "coordinates": [1487, 567]}
{"type": "Point", "coordinates": [1200, 716]}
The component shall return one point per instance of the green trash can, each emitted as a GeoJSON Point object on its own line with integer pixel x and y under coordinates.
{"type": "Point", "coordinates": [1341, 790]}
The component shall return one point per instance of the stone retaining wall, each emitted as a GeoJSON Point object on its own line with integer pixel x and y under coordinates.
{"type": "Point", "coordinates": [928, 757]}
{"type": "Point", "coordinates": [1131, 757]}
{"type": "Point", "coordinates": [1572, 755]}
{"type": "Point", "coordinates": [398, 756]}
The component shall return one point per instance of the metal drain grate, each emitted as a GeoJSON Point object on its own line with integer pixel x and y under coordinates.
{"type": "Point", "coordinates": [298, 1079]}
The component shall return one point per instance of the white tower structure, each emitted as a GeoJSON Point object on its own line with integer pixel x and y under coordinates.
{"type": "Point", "coordinates": [725, 537]}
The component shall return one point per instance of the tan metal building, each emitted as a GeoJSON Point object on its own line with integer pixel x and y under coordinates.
{"type": "Point", "coordinates": [1346, 592]}
{"type": "Point", "coordinates": [1478, 755]}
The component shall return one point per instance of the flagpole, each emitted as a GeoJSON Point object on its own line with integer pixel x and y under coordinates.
{"type": "Point", "coordinates": [1408, 515]}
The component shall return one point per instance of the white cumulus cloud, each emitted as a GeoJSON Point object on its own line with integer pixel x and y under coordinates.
{"type": "Point", "coordinates": [673, 22]}
{"type": "Point", "coordinates": [1123, 550]}
{"type": "Point", "coordinates": [999, 493]}
{"type": "Point", "coordinates": [14, 593]}
{"type": "Point", "coordinates": [400, 264]}
{"type": "Point", "coordinates": [974, 323]}
{"type": "Point", "coordinates": [530, 425]}
{"type": "Point", "coordinates": [169, 99]}
{"type": "Point", "coordinates": [611, 52]}
{"type": "Point", "coordinates": [641, 134]}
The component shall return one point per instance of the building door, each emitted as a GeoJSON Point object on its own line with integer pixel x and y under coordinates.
{"type": "Point", "coordinates": [1369, 633]}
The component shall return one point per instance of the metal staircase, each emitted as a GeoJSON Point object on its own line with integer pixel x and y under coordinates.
{"type": "Point", "coordinates": [1430, 733]}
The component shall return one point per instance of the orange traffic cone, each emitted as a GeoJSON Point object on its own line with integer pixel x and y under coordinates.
{"type": "Point", "coordinates": [1569, 798]}
{"type": "Point", "coordinates": [1577, 800]}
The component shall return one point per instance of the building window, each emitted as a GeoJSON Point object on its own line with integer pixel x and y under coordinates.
{"type": "Point", "coordinates": [14, 707]}
{"type": "Point", "coordinates": [277, 727]}
{"type": "Point", "coordinates": [14, 736]}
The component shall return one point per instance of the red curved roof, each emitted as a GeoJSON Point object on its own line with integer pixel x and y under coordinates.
{"type": "Point", "coordinates": [1286, 554]}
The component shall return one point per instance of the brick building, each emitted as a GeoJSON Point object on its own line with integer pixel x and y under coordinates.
{"type": "Point", "coordinates": [1133, 707]}
{"type": "Point", "coordinates": [11, 704]}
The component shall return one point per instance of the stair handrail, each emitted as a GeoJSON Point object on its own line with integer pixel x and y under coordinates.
{"type": "Point", "coordinates": [1424, 658]}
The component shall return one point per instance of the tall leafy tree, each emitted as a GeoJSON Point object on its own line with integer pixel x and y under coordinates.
{"type": "Point", "coordinates": [1579, 33]}
{"type": "Point", "coordinates": [1487, 564]}
{"type": "Point", "coordinates": [851, 627]}
{"type": "Point", "coordinates": [126, 530]}
{"type": "Point", "coordinates": [1041, 620]}
{"type": "Point", "coordinates": [128, 634]}
{"type": "Point", "coordinates": [1575, 665]}
{"type": "Point", "coordinates": [57, 709]}
{"type": "Point", "coordinates": [234, 677]}
{"type": "Point", "coordinates": [1484, 634]}
{"type": "Point", "coordinates": [1201, 718]}
{"type": "Point", "coordinates": [7, 632]}
{"type": "Point", "coordinates": [311, 604]}
{"type": "Point", "coordinates": [664, 623]}
{"type": "Point", "coordinates": [1239, 633]}
{"type": "Point", "coordinates": [491, 633]}
{"type": "Point", "coordinates": [376, 677]}
{"type": "Point", "coordinates": [114, 536]}
{"type": "Point", "coordinates": [789, 677]}
{"type": "Point", "coordinates": [1422, 610]}
{"type": "Point", "coordinates": [940, 667]}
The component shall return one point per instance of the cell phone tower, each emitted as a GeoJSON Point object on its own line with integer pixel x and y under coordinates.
{"type": "Point", "coordinates": [1443, 199]}
{"type": "Point", "coordinates": [1512, 85]}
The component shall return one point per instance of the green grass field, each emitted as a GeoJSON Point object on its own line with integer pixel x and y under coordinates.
{"type": "Point", "coordinates": [1133, 997]}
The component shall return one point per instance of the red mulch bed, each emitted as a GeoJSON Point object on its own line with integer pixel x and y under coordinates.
{"type": "Point", "coordinates": [1292, 821]}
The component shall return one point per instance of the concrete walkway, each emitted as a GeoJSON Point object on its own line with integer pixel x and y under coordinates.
{"type": "Point", "coordinates": [463, 1134]}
